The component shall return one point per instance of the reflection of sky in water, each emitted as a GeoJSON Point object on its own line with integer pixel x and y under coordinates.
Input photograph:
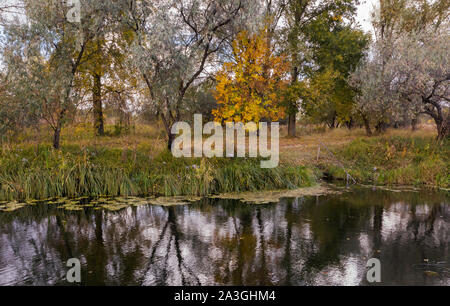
{"type": "Point", "coordinates": [325, 241]}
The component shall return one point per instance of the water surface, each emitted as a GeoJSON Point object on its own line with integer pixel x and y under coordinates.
{"type": "Point", "coordinates": [324, 240]}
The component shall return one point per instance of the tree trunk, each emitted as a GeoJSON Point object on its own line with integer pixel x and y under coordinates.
{"type": "Point", "coordinates": [414, 122]}
{"type": "Point", "coordinates": [381, 127]}
{"type": "Point", "coordinates": [367, 126]}
{"type": "Point", "coordinates": [168, 128]}
{"type": "Point", "coordinates": [293, 108]}
{"type": "Point", "coordinates": [350, 123]}
{"type": "Point", "coordinates": [98, 108]}
{"type": "Point", "coordinates": [292, 125]}
{"type": "Point", "coordinates": [443, 128]}
{"type": "Point", "coordinates": [170, 141]}
{"type": "Point", "coordinates": [57, 137]}
{"type": "Point", "coordinates": [332, 123]}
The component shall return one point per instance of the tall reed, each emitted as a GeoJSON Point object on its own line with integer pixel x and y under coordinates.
{"type": "Point", "coordinates": [30, 173]}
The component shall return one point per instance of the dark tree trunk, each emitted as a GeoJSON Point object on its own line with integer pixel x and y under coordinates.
{"type": "Point", "coordinates": [170, 141]}
{"type": "Point", "coordinates": [442, 121]}
{"type": "Point", "coordinates": [292, 125]}
{"type": "Point", "coordinates": [57, 137]}
{"type": "Point", "coordinates": [414, 122]}
{"type": "Point", "coordinates": [293, 107]}
{"type": "Point", "coordinates": [381, 127]}
{"type": "Point", "coordinates": [57, 130]}
{"type": "Point", "coordinates": [443, 128]}
{"type": "Point", "coordinates": [367, 126]}
{"type": "Point", "coordinates": [332, 124]}
{"type": "Point", "coordinates": [168, 128]}
{"type": "Point", "coordinates": [98, 108]}
{"type": "Point", "coordinates": [350, 124]}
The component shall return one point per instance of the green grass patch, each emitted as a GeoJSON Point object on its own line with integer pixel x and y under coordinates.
{"type": "Point", "coordinates": [395, 160]}
{"type": "Point", "coordinates": [32, 172]}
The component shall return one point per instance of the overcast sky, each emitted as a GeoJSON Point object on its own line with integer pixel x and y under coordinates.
{"type": "Point", "coordinates": [364, 11]}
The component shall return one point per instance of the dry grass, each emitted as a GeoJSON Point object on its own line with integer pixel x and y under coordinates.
{"type": "Point", "coordinates": [303, 150]}
{"type": "Point", "coordinates": [142, 137]}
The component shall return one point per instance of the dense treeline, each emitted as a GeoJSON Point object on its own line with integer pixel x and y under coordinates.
{"type": "Point", "coordinates": [241, 60]}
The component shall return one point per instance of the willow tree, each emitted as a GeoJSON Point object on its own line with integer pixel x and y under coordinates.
{"type": "Point", "coordinates": [13, 116]}
{"type": "Point", "coordinates": [406, 69]}
{"type": "Point", "coordinates": [44, 52]}
{"type": "Point", "coordinates": [175, 42]}
{"type": "Point", "coordinates": [8, 8]}
{"type": "Point", "coordinates": [376, 99]}
{"type": "Point", "coordinates": [421, 61]}
{"type": "Point", "coordinates": [422, 69]}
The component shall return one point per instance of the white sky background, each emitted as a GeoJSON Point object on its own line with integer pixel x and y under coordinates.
{"type": "Point", "coordinates": [364, 14]}
{"type": "Point", "coordinates": [10, 11]}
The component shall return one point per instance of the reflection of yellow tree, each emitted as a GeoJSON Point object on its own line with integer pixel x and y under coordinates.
{"type": "Point", "coordinates": [251, 87]}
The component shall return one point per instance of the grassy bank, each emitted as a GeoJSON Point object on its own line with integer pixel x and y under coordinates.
{"type": "Point", "coordinates": [39, 172]}
{"type": "Point", "coordinates": [136, 164]}
{"type": "Point", "coordinates": [394, 160]}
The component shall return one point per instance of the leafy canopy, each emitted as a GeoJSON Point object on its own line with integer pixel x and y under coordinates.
{"type": "Point", "coordinates": [251, 87]}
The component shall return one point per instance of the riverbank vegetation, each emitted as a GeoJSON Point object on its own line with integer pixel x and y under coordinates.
{"type": "Point", "coordinates": [40, 172]}
{"type": "Point", "coordinates": [138, 164]}
{"type": "Point", "coordinates": [396, 157]}
{"type": "Point", "coordinates": [394, 160]}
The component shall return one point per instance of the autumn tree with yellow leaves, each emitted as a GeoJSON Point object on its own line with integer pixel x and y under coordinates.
{"type": "Point", "coordinates": [251, 87]}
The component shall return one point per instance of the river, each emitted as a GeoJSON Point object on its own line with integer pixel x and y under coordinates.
{"type": "Point", "coordinates": [314, 240]}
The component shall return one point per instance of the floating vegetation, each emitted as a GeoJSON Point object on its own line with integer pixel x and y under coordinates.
{"type": "Point", "coordinates": [33, 202]}
{"type": "Point", "coordinates": [119, 203]}
{"type": "Point", "coordinates": [434, 269]}
{"type": "Point", "coordinates": [72, 207]}
{"type": "Point", "coordinates": [431, 273]}
{"type": "Point", "coordinates": [81, 198]}
{"type": "Point", "coordinates": [174, 201]}
{"type": "Point", "coordinates": [57, 201]}
{"type": "Point", "coordinates": [112, 206]}
{"type": "Point", "coordinates": [12, 206]}
{"type": "Point", "coordinates": [116, 204]}
{"type": "Point", "coordinates": [397, 189]}
{"type": "Point", "coordinates": [391, 190]}
{"type": "Point", "coordinates": [267, 197]}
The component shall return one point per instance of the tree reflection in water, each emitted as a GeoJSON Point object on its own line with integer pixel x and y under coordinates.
{"type": "Point", "coordinates": [308, 241]}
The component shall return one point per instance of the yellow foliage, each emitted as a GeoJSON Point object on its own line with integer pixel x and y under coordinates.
{"type": "Point", "coordinates": [251, 87]}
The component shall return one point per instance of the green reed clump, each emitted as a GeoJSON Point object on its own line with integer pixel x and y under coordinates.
{"type": "Point", "coordinates": [396, 160]}
{"type": "Point", "coordinates": [41, 173]}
